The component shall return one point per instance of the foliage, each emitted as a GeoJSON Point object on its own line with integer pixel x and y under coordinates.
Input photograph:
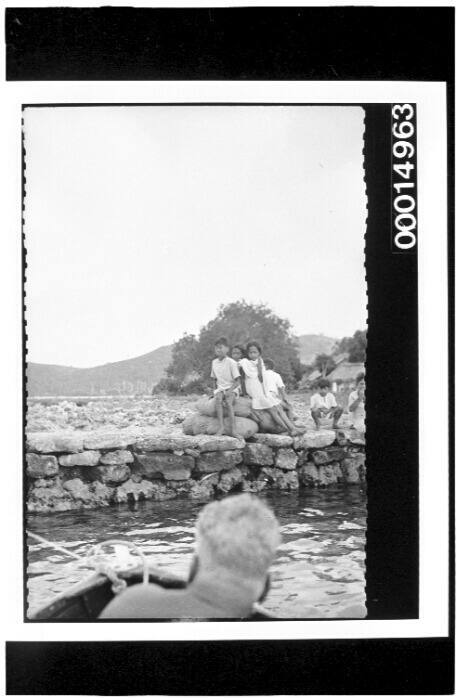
{"type": "Point", "coordinates": [184, 358]}
{"type": "Point", "coordinates": [324, 363]}
{"type": "Point", "coordinates": [239, 322]}
{"type": "Point", "coordinates": [298, 369]}
{"type": "Point", "coordinates": [355, 346]}
{"type": "Point", "coordinates": [194, 387]}
{"type": "Point", "coordinates": [167, 385]}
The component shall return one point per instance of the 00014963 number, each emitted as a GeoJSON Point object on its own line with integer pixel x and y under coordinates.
{"type": "Point", "coordinates": [404, 178]}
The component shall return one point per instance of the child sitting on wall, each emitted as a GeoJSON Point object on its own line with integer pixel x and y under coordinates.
{"type": "Point", "coordinates": [237, 354]}
{"type": "Point", "coordinates": [356, 404]}
{"type": "Point", "coordinates": [275, 386]}
{"type": "Point", "coordinates": [262, 400]}
{"type": "Point", "coordinates": [323, 404]}
{"type": "Point", "coordinates": [226, 379]}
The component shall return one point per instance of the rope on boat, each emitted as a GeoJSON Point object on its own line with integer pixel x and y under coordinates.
{"type": "Point", "coordinates": [117, 584]}
{"type": "Point", "coordinates": [131, 546]}
{"type": "Point", "coordinates": [56, 546]}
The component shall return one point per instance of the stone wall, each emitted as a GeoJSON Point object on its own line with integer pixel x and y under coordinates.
{"type": "Point", "coordinates": [82, 470]}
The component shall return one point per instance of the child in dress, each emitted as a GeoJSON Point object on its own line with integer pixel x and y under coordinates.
{"type": "Point", "coordinates": [323, 404]}
{"type": "Point", "coordinates": [275, 386]}
{"type": "Point", "coordinates": [356, 404]}
{"type": "Point", "coordinates": [226, 377]}
{"type": "Point", "coordinates": [254, 371]}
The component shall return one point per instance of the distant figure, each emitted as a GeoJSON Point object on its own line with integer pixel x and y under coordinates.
{"type": "Point", "coordinates": [237, 354]}
{"type": "Point", "coordinates": [254, 370]}
{"type": "Point", "coordinates": [226, 378]}
{"type": "Point", "coordinates": [323, 404]}
{"type": "Point", "coordinates": [356, 404]}
{"type": "Point", "coordinates": [275, 386]}
{"type": "Point", "coordinates": [236, 542]}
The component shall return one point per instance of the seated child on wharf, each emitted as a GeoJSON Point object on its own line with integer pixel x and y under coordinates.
{"type": "Point", "coordinates": [226, 376]}
{"type": "Point", "coordinates": [275, 386]}
{"type": "Point", "coordinates": [237, 354]}
{"type": "Point", "coordinates": [323, 404]}
{"type": "Point", "coordinates": [262, 401]}
{"type": "Point", "coordinates": [356, 404]}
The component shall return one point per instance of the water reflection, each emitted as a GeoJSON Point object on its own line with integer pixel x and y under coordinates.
{"type": "Point", "coordinates": [318, 573]}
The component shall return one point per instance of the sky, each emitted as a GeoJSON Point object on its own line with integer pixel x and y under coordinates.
{"type": "Point", "coordinates": [141, 221]}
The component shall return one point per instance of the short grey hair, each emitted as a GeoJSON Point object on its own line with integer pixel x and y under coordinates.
{"type": "Point", "coordinates": [239, 533]}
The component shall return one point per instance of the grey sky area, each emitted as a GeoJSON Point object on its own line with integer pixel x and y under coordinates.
{"type": "Point", "coordinates": [141, 221]}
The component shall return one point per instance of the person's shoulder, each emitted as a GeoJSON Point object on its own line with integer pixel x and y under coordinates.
{"type": "Point", "coordinates": [231, 361]}
{"type": "Point", "coordinates": [136, 601]}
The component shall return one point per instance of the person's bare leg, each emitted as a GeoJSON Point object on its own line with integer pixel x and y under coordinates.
{"type": "Point", "coordinates": [277, 418]}
{"type": "Point", "coordinates": [230, 399]}
{"type": "Point", "coordinates": [289, 424]}
{"type": "Point", "coordinates": [337, 412]}
{"type": "Point", "coordinates": [315, 414]}
{"type": "Point", "coordinates": [220, 413]}
{"type": "Point", "coordinates": [289, 411]}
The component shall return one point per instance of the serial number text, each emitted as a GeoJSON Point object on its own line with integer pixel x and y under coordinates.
{"type": "Point", "coordinates": [404, 177]}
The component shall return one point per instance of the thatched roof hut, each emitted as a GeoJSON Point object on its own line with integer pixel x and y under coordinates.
{"type": "Point", "coordinates": [345, 373]}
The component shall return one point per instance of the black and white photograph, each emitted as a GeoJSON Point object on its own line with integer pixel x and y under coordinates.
{"type": "Point", "coordinates": [196, 322]}
{"type": "Point", "coordinates": [227, 259]}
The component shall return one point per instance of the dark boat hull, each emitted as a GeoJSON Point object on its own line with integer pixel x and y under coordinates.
{"type": "Point", "coordinates": [87, 599]}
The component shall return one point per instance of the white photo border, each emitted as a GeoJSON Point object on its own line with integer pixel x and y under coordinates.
{"type": "Point", "coordinates": [430, 99]}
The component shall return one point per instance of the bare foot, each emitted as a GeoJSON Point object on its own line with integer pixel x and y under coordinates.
{"type": "Point", "coordinates": [237, 436]}
{"type": "Point", "coordinates": [317, 427]}
{"type": "Point", "coordinates": [219, 432]}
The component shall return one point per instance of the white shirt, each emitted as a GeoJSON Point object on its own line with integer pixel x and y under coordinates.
{"type": "Point", "coordinates": [358, 415]}
{"type": "Point", "coordinates": [273, 382]}
{"type": "Point", "coordinates": [225, 372]}
{"type": "Point", "coordinates": [318, 401]}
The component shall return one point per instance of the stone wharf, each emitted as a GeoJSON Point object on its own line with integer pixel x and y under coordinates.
{"type": "Point", "coordinates": [83, 470]}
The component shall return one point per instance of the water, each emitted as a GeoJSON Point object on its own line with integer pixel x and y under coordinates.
{"type": "Point", "coordinates": [318, 573]}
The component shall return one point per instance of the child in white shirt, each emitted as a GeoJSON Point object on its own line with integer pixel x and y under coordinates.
{"type": "Point", "coordinates": [275, 385]}
{"type": "Point", "coordinates": [356, 404]}
{"type": "Point", "coordinates": [323, 404]}
{"type": "Point", "coordinates": [226, 377]}
{"type": "Point", "coordinates": [254, 371]}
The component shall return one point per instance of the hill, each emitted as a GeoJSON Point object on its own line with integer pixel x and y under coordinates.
{"type": "Point", "coordinates": [312, 344]}
{"type": "Point", "coordinates": [138, 375]}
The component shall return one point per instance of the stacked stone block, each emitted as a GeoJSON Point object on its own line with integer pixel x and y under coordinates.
{"type": "Point", "coordinates": [67, 471]}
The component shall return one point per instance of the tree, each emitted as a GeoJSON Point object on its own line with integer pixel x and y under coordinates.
{"type": "Point", "coordinates": [184, 358]}
{"type": "Point", "coordinates": [324, 363]}
{"type": "Point", "coordinates": [239, 322]}
{"type": "Point", "coordinates": [355, 346]}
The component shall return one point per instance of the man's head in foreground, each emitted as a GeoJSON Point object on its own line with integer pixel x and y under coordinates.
{"type": "Point", "coordinates": [236, 540]}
